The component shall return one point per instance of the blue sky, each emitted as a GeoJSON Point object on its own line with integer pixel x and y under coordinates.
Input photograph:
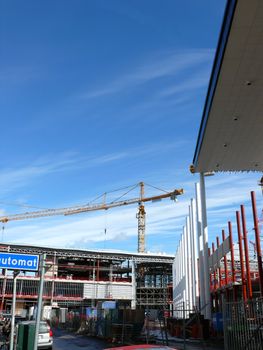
{"type": "Point", "coordinates": [98, 95]}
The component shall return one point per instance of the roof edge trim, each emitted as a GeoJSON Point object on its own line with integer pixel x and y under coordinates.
{"type": "Point", "coordinates": [223, 37]}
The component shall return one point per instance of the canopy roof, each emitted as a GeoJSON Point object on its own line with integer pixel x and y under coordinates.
{"type": "Point", "coordinates": [231, 131]}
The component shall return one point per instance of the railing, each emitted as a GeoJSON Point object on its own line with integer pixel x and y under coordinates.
{"type": "Point", "coordinates": [243, 325]}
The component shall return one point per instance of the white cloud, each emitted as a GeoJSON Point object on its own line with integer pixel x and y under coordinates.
{"type": "Point", "coordinates": [12, 179]}
{"type": "Point", "coordinates": [163, 65]}
{"type": "Point", "coordinates": [200, 80]}
{"type": "Point", "coordinates": [225, 193]}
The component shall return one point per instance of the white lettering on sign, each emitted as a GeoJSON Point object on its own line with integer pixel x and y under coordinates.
{"type": "Point", "coordinates": [17, 262]}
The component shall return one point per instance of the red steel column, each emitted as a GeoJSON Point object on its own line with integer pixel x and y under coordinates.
{"type": "Point", "coordinates": [226, 268]}
{"type": "Point", "coordinates": [257, 240]}
{"type": "Point", "coordinates": [219, 276]}
{"type": "Point", "coordinates": [213, 250]}
{"type": "Point", "coordinates": [243, 279]}
{"type": "Point", "coordinates": [225, 260]}
{"type": "Point", "coordinates": [210, 281]}
{"type": "Point", "coordinates": [215, 283]}
{"type": "Point", "coordinates": [219, 269]}
{"type": "Point", "coordinates": [210, 277]}
{"type": "Point", "coordinates": [232, 260]}
{"type": "Point", "coordinates": [244, 228]}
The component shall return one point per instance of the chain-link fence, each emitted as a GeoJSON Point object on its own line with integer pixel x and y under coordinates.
{"type": "Point", "coordinates": [243, 325]}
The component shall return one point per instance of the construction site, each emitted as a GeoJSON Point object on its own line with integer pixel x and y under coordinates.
{"type": "Point", "coordinates": [118, 294]}
{"type": "Point", "coordinates": [82, 285]}
{"type": "Point", "coordinates": [209, 290]}
{"type": "Point", "coordinates": [76, 278]}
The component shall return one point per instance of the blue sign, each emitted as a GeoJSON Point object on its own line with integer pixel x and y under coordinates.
{"type": "Point", "coordinates": [91, 312]}
{"type": "Point", "coordinates": [217, 321]}
{"type": "Point", "coordinates": [23, 262]}
{"type": "Point", "coordinates": [109, 305]}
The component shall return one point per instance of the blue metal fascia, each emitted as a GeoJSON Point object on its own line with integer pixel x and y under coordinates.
{"type": "Point", "coordinates": [221, 46]}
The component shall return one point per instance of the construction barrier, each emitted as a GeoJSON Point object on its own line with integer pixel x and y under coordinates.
{"type": "Point", "coordinates": [243, 325]}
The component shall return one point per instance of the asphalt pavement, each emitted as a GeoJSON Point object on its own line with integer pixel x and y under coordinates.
{"type": "Point", "coordinates": [70, 341]}
{"type": "Point", "coordinates": [64, 340]}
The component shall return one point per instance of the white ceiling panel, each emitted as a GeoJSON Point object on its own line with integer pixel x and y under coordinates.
{"type": "Point", "coordinates": [231, 132]}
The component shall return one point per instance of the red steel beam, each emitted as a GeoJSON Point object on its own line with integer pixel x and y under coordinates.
{"type": "Point", "coordinates": [257, 240]}
{"type": "Point", "coordinates": [243, 279]}
{"type": "Point", "coordinates": [244, 229]}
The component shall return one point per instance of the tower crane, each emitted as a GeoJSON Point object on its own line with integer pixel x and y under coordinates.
{"type": "Point", "coordinates": [101, 206]}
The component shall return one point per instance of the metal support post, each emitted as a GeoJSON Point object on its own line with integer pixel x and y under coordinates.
{"type": "Point", "coordinates": [133, 301]}
{"type": "Point", "coordinates": [232, 260]}
{"type": "Point", "coordinates": [243, 279]}
{"type": "Point", "coordinates": [184, 325]}
{"type": "Point", "coordinates": [210, 280]}
{"type": "Point", "coordinates": [200, 248]}
{"type": "Point", "coordinates": [248, 275]}
{"type": "Point", "coordinates": [98, 270]}
{"type": "Point", "coordinates": [189, 263]}
{"type": "Point", "coordinates": [40, 296]}
{"type": "Point", "coordinates": [257, 240]}
{"type": "Point", "coordinates": [16, 273]}
{"type": "Point", "coordinates": [94, 294]}
{"type": "Point", "coordinates": [226, 268]}
{"type": "Point", "coordinates": [215, 285]}
{"type": "Point", "coordinates": [219, 269]}
{"type": "Point", "coordinates": [205, 246]}
{"type": "Point", "coordinates": [214, 273]}
{"type": "Point", "coordinates": [192, 264]}
{"type": "Point", "coordinates": [184, 269]}
{"type": "Point", "coordinates": [219, 278]}
{"type": "Point", "coordinates": [181, 270]}
{"type": "Point", "coordinates": [3, 289]}
{"type": "Point", "coordinates": [186, 298]}
{"type": "Point", "coordinates": [194, 246]}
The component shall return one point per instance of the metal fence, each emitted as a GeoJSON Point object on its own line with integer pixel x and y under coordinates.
{"type": "Point", "coordinates": [243, 325]}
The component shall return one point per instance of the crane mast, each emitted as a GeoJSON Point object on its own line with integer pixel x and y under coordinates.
{"type": "Point", "coordinates": [141, 221]}
{"type": "Point", "coordinates": [101, 206]}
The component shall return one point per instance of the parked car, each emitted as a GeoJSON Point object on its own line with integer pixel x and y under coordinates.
{"type": "Point", "coordinates": [142, 347]}
{"type": "Point", "coordinates": [45, 334]}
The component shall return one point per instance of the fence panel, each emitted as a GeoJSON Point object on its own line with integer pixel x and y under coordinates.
{"type": "Point", "coordinates": [243, 325]}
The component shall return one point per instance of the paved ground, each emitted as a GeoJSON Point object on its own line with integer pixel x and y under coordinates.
{"type": "Point", "coordinates": [67, 341]}
{"type": "Point", "coordinates": [197, 345]}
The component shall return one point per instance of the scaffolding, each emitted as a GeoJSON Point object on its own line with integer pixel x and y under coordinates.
{"type": "Point", "coordinates": [84, 278]}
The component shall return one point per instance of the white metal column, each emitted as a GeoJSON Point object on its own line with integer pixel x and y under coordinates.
{"type": "Point", "coordinates": [200, 248]}
{"type": "Point", "coordinates": [185, 271]}
{"type": "Point", "coordinates": [205, 246]}
{"type": "Point", "coordinates": [189, 264]}
{"type": "Point", "coordinates": [194, 252]}
{"type": "Point", "coordinates": [181, 257]}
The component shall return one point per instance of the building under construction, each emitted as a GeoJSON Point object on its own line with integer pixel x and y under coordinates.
{"type": "Point", "coordinates": [82, 278]}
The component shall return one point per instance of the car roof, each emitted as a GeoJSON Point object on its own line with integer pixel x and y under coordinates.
{"type": "Point", "coordinates": [33, 321]}
{"type": "Point", "coordinates": [141, 347]}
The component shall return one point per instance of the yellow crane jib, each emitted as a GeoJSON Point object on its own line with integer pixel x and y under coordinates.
{"type": "Point", "coordinates": [102, 206]}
